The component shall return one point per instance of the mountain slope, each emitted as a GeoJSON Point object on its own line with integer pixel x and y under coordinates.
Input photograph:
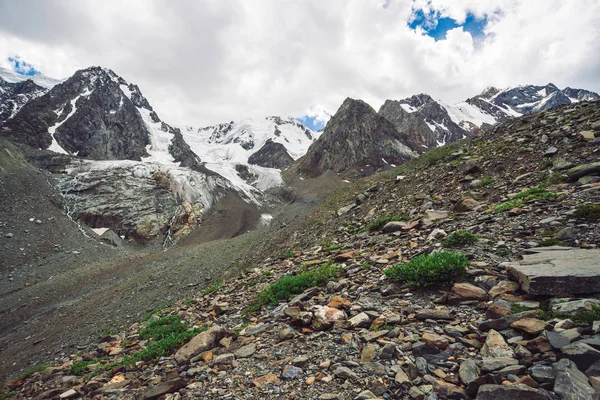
{"type": "Point", "coordinates": [356, 136]}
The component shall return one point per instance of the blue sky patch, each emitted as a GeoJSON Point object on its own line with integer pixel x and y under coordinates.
{"type": "Point", "coordinates": [312, 123]}
{"type": "Point", "coordinates": [437, 27]}
{"type": "Point", "coordinates": [21, 67]}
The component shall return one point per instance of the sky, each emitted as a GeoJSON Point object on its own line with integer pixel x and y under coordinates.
{"type": "Point", "coordinates": [211, 61]}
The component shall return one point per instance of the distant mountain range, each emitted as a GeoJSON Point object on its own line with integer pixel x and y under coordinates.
{"type": "Point", "coordinates": [107, 139]}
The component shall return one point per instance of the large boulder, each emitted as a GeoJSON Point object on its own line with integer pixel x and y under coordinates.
{"type": "Point", "coordinates": [201, 342]}
{"type": "Point", "coordinates": [555, 271]}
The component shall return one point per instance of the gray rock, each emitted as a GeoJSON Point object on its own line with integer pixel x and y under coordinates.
{"type": "Point", "coordinates": [271, 155]}
{"type": "Point", "coordinates": [550, 151]}
{"type": "Point", "coordinates": [583, 170]}
{"type": "Point", "coordinates": [345, 373]}
{"type": "Point", "coordinates": [393, 226]}
{"type": "Point", "coordinates": [557, 271]}
{"type": "Point", "coordinates": [290, 372]}
{"type": "Point", "coordinates": [495, 363]}
{"type": "Point", "coordinates": [224, 359]}
{"type": "Point", "coordinates": [571, 383]}
{"type": "Point", "coordinates": [516, 392]}
{"type": "Point", "coordinates": [245, 351]}
{"type": "Point", "coordinates": [542, 373]}
{"type": "Point", "coordinates": [469, 371]}
{"type": "Point", "coordinates": [558, 340]}
{"type": "Point", "coordinates": [573, 307]}
{"type": "Point", "coordinates": [583, 355]}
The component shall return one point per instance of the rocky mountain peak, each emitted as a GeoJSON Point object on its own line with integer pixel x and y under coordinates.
{"type": "Point", "coordinates": [356, 136]}
{"type": "Point", "coordinates": [14, 95]}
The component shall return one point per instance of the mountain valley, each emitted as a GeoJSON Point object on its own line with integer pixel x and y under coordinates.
{"type": "Point", "coordinates": [116, 225]}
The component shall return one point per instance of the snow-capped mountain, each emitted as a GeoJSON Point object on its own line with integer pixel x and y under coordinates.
{"type": "Point", "coordinates": [118, 151]}
{"type": "Point", "coordinates": [39, 79]}
{"type": "Point", "coordinates": [237, 149]}
{"type": "Point", "coordinates": [13, 96]}
{"type": "Point", "coordinates": [431, 123]}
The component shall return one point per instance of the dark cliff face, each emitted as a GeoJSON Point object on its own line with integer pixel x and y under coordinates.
{"type": "Point", "coordinates": [91, 117]}
{"type": "Point", "coordinates": [94, 114]}
{"type": "Point", "coordinates": [425, 122]}
{"type": "Point", "coordinates": [356, 136]}
{"type": "Point", "coordinates": [271, 155]}
{"type": "Point", "coordinates": [13, 96]}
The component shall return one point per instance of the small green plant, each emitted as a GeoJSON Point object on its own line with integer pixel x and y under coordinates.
{"type": "Point", "coordinates": [294, 284]}
{"type": "Point", "coordinates": [81, 367]}
{"type": "Point", "coordinates": [329, 247]}
{"type": "Point", "coordinates": [380, 221]}
{"type": "Point", "coordinates": [365, 266]}
{"type": "Point", "coordinates": [551, 242]}
{"type": "Point", "coordinates": [162, 347]}
{"type": "Point", "coordinates": [535, 193]}
{"type": "Point", "coordinates": [106, 332]}
{"type": "Point", "coordinates": [27, 373]}
{"type": "Point", "coordinates": [589, 212]}
{"type": "Point", "coordinates": [162, 327]}
{"type": "Point", "coordinates": [516, 308]}
{"type": "Point", "coordinates": [212, 288]}
{"type": "Point", "coordinates": [503, 252]}
{"type": "Point", "coordinates": [581, 317]}
{"type": "Point", "coordinates": [486, 181]}
{"type": "Point", "coordinates": [287, 254]}
{"type": "Point", "coordinates": [459, 239]}
{"type": "Point", "coordinates": [555, 178]}
{"type": "Point", "coordinates": [429, 269]}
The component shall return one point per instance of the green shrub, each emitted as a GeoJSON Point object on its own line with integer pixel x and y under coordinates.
{"type": "Point", "coordinates": [539, 192]}
{"type": "Point", "coordinates": [380, 221]}
{"type": "Point", "coordinates": [162, 327]}
{"type": "Point", "coordinates": [429, 269]}
{"type": "Point", "coordinates": [291, 285]}
{"type": "Point", "coordinates": [459, 239]}
{"type": "Point", "coordinates": [329, 247]}
{"type": "Point", "coordinates": [162, 347]}
{"type": "Point", "coordinates": [555, 178]}
{"type": "Point", "coordinates": [589, 212]}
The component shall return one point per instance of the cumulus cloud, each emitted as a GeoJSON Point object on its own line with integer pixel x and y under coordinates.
{"type": "Point", "coordinates": [204, 62]}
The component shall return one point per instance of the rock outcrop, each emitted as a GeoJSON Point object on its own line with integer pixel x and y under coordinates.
{"type": "Point", "coordinates": [356, 137]}
{"type": "Point", "coordinates": [271, 155]}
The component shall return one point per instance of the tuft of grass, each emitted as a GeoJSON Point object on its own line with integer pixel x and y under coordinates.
{"type": "Point", "coordinates": [163, 347]}
{"type": "Point", "coordinates": [212, 288]}
{"type": "Point", "coordinates": [551, 242]}
{"type": "Point", "coordinates": [539, 192]}
{"type": "Point", "coordinates": [459, 239]}
{"type": "Point", "coordinates": [555, 178]}
{"type": "Point", "coordinates": [380, 222]}
{"type": "Point", "coordinates": [503, 252]}
{"type": "Point", "coordinates": [81, 367]}
{"type": "Point", "coordinates": [27, 373]}
{"type": "Point", "coordinates": [291, 285]}
{"type": "Point", "coordinates": [588, 212]}
{"type": "Point", "coordinates": [162, 327]}
{"type": "Point", "coordinates": [329, 247]}
{"type": "Point", "coordinates": [516, 308]}
{"type": "Point", "coordinates": [486, 181]}
{"type": "Point", "coordinates": [429, 269]}
{"type": "Point", "coordinates": [581, 317]}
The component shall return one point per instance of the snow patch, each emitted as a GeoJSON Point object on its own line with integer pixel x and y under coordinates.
{"type": "Point", "coordinates": [408, 108]}
{"type": "Point", "coordinates": [100, 231]}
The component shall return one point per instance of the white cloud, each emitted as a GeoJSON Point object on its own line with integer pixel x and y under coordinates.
{"type": "Point", "coordinates": [203, 62]}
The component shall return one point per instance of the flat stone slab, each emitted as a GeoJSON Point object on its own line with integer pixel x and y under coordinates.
{"type": "Point", "coordinates": [556, 270]}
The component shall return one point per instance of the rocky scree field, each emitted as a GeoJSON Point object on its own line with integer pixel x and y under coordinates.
{"type": "Point", "coordinates": [426, 282]}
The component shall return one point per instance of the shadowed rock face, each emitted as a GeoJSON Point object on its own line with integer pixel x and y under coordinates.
{"type": "Point", "coordinates": [13, 96]}
{"type": "Point", "coordinates": [271, 155]}
{"type": "Point", "coordinates": [94, 114]}
{"type": "Point", "coordinates": [100, 122]}
{"type": "Point", "coordinates": [356, 136]}
{"type": "Point", "coordinates": [421, 136]}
